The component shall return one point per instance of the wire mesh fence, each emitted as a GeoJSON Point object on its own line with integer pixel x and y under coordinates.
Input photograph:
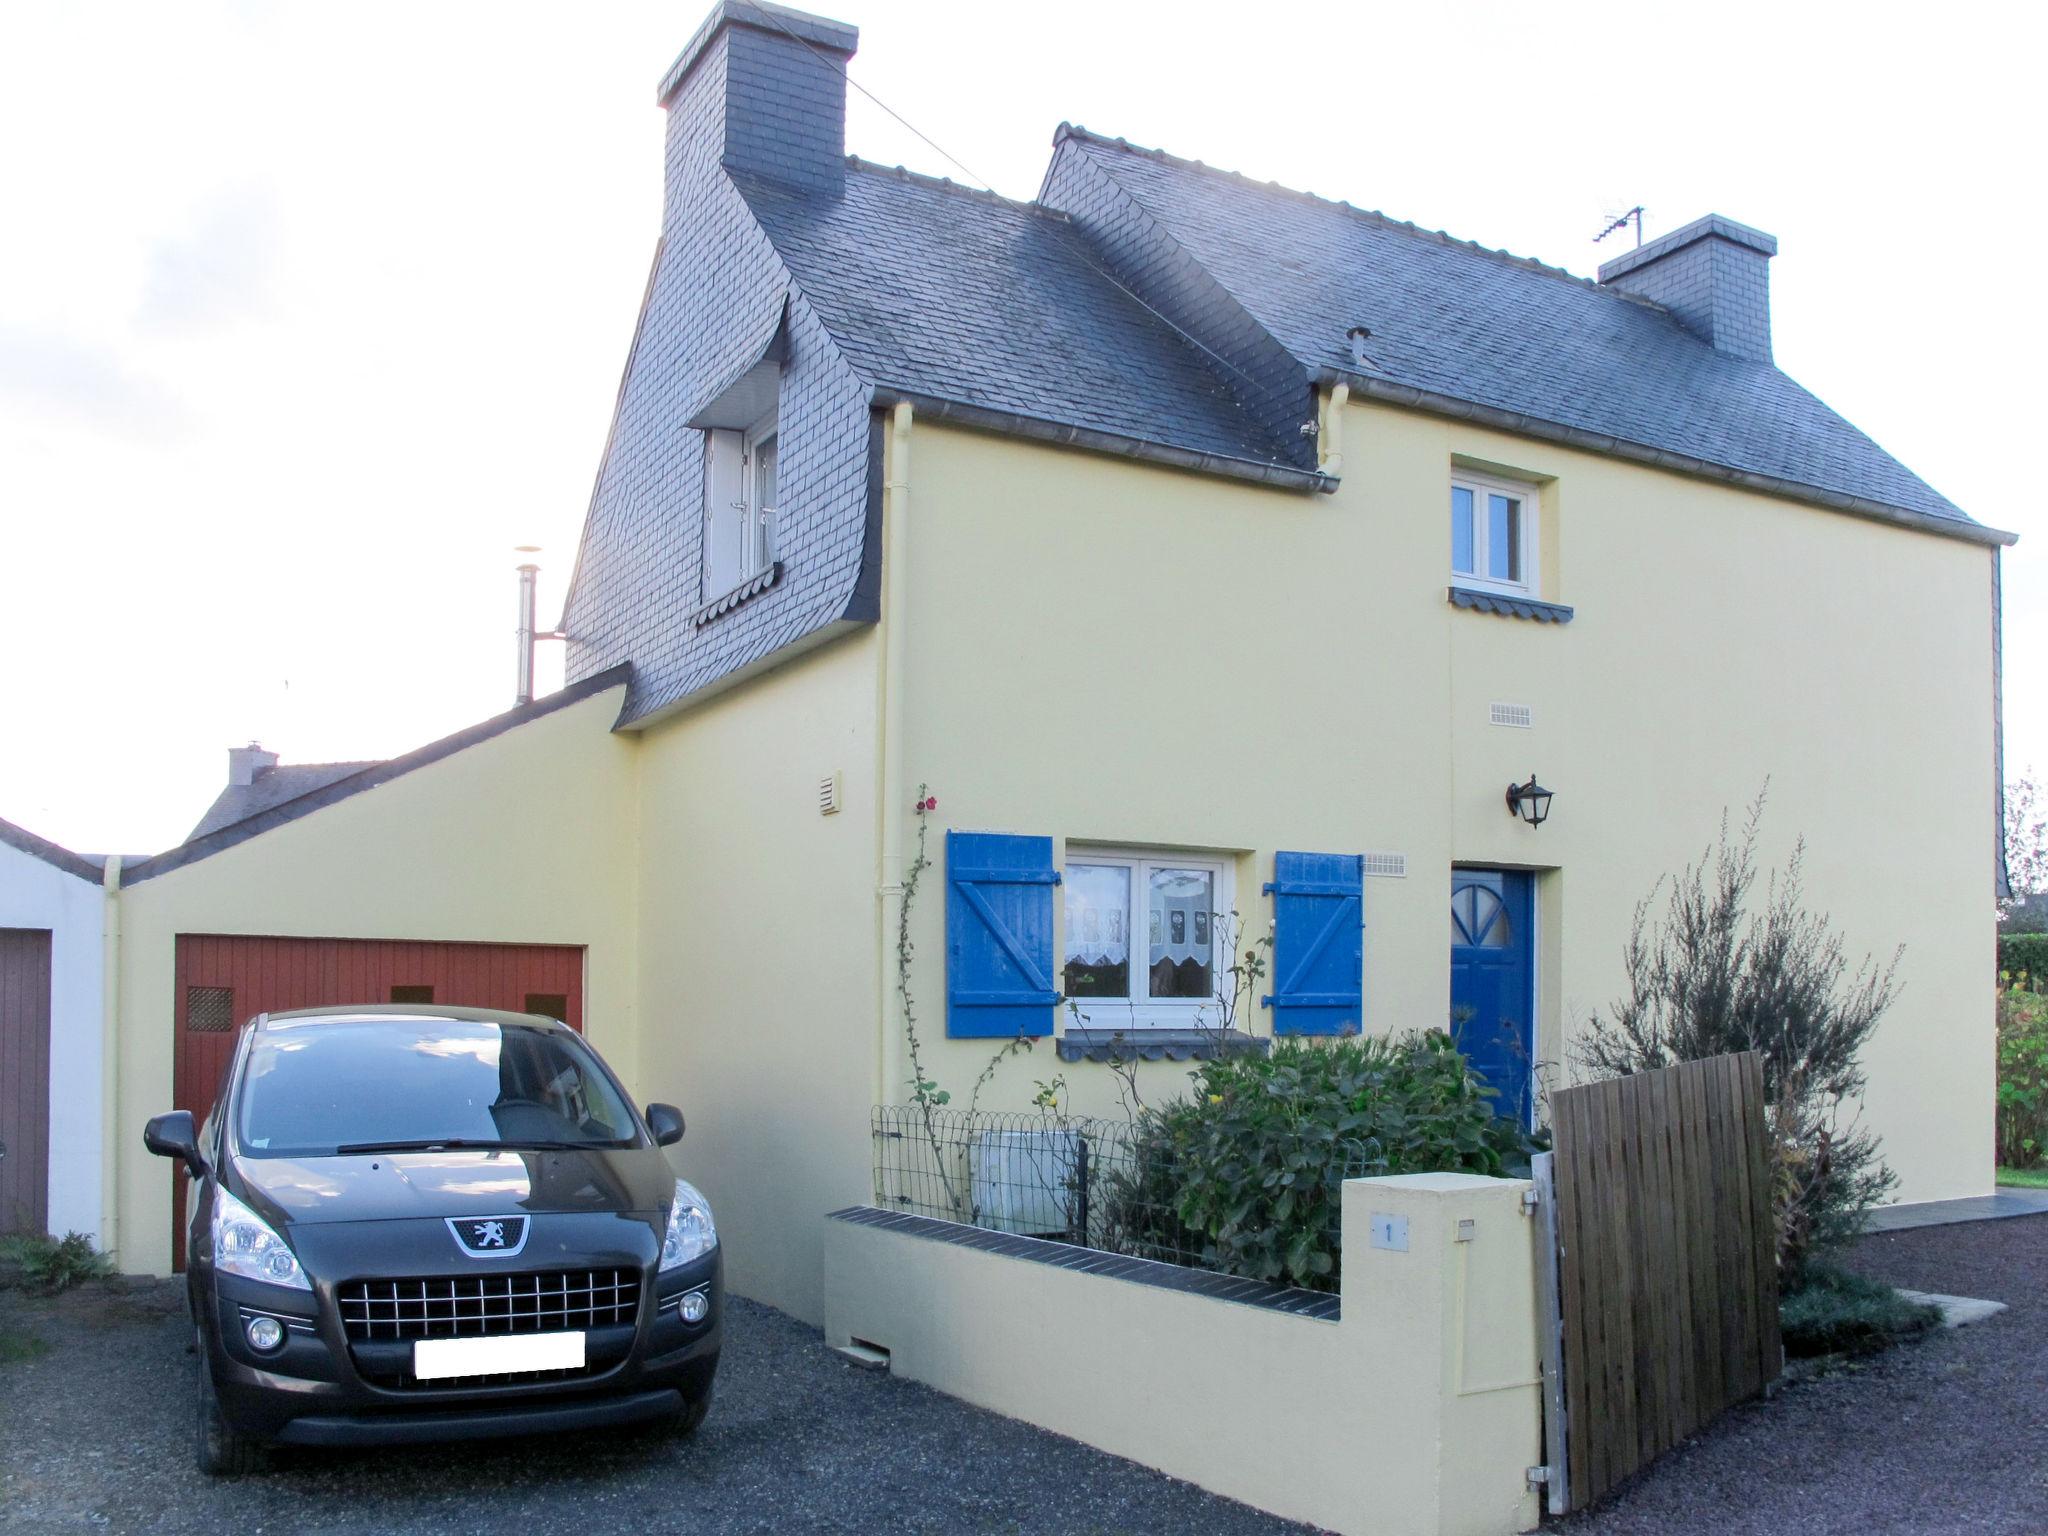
{"type": "Point", "coordinates": [1113, 1185]}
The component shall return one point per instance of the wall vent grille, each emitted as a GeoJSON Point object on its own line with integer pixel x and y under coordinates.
{"type": "Point", "coordinates": [828, 794]}
{"type": "Point", "coordinates": [1388, 866]}
{"type": "Point", "coordinates": [1517, 715]}
{"type": "Point", "coordinates": [210, 1010]}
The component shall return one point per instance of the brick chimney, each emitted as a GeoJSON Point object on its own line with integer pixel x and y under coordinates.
{"type": "Point", "coordinates": [248, 764]}
{"type": "Point", "coordinates": [764, 89]}
{"type": "Point", "coordinates": [1714, 276]}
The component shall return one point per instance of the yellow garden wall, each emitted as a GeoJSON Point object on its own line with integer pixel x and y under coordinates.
{"type": "Point", "coordinates": [758, 998]}
{"type": "Point", "coordinates": [1108, 651]}
{"type": "Point", "coordinates": [1415, 1414]}
{"type": "Point", "coordinates": [527, 837]}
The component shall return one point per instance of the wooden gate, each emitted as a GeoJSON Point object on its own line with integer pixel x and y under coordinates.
{"type": "Point", "coordinates": [1665, 1275]}
{"type": "Point", "coordinates": [25, 1079]}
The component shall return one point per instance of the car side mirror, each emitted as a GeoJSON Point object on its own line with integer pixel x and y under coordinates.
{"type": "Point", "coordinates": [666, 1122]}
{"type": "Point", "coordinates": [174, 1135]}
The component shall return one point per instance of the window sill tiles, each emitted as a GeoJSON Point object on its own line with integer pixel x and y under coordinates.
{"type": "Point", "coordinates": [726, 601]}
{"type": "Point", "coordinates": [1154, 1044]}
{"type": "Point", "coordinates": [1480, 601]}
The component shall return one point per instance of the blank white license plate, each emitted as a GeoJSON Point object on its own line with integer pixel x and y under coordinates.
{"type": "Point", "coordinates": [433, 1359]}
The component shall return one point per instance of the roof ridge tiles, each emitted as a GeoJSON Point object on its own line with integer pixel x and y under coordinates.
{"type": "Point", "coordinates": [948, 184]}
{"type": "Point", "coordinates": [1369, 215]}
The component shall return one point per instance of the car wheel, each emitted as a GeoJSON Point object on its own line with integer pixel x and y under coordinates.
{"type": "Point", "coordinates": [685, 1421]}
{"type": "Point", "coordinates": [219, 1448]}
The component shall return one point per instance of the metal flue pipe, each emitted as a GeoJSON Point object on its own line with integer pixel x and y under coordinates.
{"type": "Point", "coordinates": [528, 581]}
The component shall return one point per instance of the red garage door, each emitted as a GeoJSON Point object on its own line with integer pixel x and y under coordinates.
{"type": "Point", "coordinates": [224, 981]}
{"type": "Point", "coordinates": [24, 1079]}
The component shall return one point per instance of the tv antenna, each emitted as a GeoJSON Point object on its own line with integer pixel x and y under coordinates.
{"type": "Point", "coordinates": [1634, 215]}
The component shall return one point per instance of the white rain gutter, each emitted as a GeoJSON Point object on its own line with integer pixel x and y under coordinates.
{"type": "Point", "coordinates": [891, 830]}
{"type": "Point", "coordinates": [110, 1057]}
{"type": "Point", "coordinates": [1330, 432]}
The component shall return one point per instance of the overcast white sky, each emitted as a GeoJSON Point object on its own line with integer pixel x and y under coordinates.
{"type": "Point", "coordinates": [310, 313]}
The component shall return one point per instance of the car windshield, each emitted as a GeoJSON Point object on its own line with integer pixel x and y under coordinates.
{"type": "Point", "coordinates": [401, 1084]}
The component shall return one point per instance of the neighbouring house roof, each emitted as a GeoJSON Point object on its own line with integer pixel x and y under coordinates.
{"type": "Point", "coordinates": [1461, 323]}
{"type": "Point", "coordinates": [952, 295]}
{"type": "Point", "coordinates": [272, 787]}
{"type": "Point", "coordinates": [368, 776]}
{"type": "Point", "coordinates": [85, 866]}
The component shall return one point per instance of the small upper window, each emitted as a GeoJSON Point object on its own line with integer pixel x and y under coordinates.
{"type": "Point", "coordinates": [1493, 533]}
{"type": "Point", "coordinates": [739, 505]}
{"type": "Point", "coordinates": [1179, 904]}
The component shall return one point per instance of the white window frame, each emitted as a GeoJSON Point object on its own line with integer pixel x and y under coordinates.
{"type": "Point", "coordinates": [756, 531]}
{"type": "Point", "coordinates": [757, 546]}
{"type": "Point", "coordinates": [1531, 502]}
{"type": "Point", "coordinates": [1136, 1010]}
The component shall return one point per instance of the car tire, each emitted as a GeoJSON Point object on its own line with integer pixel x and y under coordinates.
{"type": "Point", "coordinates": [219, 1448]}
{"type": "Point", "coordinates": [688, 1419]}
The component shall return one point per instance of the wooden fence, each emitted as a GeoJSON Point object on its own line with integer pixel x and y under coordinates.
{"type": "Point", "coordinates": [1665, 1277]}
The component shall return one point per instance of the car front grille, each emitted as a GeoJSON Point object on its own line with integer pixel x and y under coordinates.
{"type": "Point", "coordinates": [474, 1306]}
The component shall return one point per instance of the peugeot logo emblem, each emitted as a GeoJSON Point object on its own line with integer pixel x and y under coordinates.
{"type": "Point", "coordinates": [489, 1237]}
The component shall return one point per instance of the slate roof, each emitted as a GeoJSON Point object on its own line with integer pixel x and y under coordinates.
{"type": "Point", "coordinates": [943, 291]}
{"type": "Point", "coordinates": [272, 787]}
{"type": "Point", "coordinates": [1463, 322]}
{"type": "Point", "coordinates": [86, 866]}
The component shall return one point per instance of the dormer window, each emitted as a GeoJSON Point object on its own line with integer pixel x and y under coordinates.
{"type": "Point", "coordinates": [739, 506]}
{"type": "Point", "coordinates": [1493, 534]}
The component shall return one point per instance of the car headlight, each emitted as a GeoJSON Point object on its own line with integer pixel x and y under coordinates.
{"type": "Point", "coordinates": [244, 1245]}
{"type": "Point", "coordinates": [690, 1233]}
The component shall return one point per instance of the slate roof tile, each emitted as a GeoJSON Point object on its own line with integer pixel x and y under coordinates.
{"type": "Point", "coordinates": [936, 289]}
{"type": "Point", "coordinates": [1459, 320]}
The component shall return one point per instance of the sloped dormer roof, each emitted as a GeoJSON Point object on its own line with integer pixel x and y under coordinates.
{"type": "Point", "coordinates": [953, 296]}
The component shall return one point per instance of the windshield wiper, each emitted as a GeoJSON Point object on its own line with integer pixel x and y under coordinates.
{"type": "Point", "coordinates": [466, 1144]}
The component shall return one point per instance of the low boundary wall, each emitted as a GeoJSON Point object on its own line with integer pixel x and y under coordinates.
{"type": "Point", "coordinates": [1411, 1404]}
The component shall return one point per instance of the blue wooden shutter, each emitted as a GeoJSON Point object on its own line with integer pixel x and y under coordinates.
{"type": "Point", "coordinates": [999, 970]}
{"type": "Point", "coordinates": [1318, 943]}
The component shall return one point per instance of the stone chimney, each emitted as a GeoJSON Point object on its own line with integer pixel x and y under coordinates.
{"type": "Point", "coordinates": [1714, 276]}
{"type": "Point", "coordinates": [763, 89]}
{"type": "Point", "coordinates": [248, 764]}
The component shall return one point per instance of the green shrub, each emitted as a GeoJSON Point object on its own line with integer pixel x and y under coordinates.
{"type": "Point", "coordinates": [1244, 1175]}
{"type": "Point", "coordinates": [2023, 960]}
{"type": "Point", "coordinates": [1834, 1312]}
{"type": "Point", "coordinates": [1719, 972]}
{"type": "Point", "coordinates": [2022, 1077]}
{"type": "Point", "coordinates": [51, 1264]}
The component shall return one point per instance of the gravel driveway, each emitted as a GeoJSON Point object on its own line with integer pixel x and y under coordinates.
{"type": "Point", "coordinates": [1948, 1435]}
{"type": "Point", "coordinates": [96, 1433]}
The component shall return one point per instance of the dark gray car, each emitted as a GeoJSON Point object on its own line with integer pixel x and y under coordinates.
{"type": "Point", "coordinates": [423, 1223]}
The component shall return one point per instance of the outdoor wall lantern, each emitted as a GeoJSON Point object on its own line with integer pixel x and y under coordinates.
{"type": "Point", "coordinates": [1530, 801]}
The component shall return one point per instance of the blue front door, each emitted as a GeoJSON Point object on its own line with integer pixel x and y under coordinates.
{"type": "Point", "coordinates": [1493, 974]}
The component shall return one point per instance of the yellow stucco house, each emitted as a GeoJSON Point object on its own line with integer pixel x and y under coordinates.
{"type": "Point", "coordinates": [1168, 546]}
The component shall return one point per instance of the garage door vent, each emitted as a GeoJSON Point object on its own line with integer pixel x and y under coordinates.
{"type": "Point", "coordinates": [210, 1010]}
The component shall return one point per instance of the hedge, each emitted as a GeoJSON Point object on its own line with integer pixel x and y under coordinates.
{"type": "Point", "coordinates": [2023, 960]}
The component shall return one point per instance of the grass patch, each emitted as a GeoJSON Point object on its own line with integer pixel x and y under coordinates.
{"type": "Point", "coordinates": [53, 1264]}
{"type": "Point", "coordinates": [2024, 1178]}
{"type": "Point", "coordinates": [16, 1346]}
{"type": "Point", "coordinates": [1837, 1313]}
